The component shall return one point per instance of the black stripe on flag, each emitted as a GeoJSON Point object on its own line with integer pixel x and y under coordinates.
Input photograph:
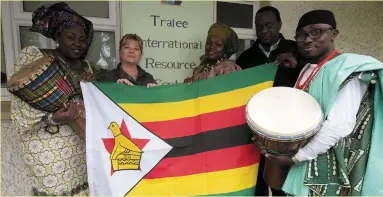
{"type": "Point", "coordinates": [211, 140]}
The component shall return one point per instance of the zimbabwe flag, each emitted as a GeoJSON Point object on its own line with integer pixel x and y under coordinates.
{"type": "Point", "coordinates": [173, 140]}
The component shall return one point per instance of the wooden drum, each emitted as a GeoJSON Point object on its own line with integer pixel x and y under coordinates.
{"type": "Point", "coordinates": [43, 84]}
{"type": "Point", "coordinates": [283, 120]}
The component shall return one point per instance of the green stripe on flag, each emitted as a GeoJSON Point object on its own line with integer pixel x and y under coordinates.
{"type": "Point", "coordinates": [172, 93]}
{"type": "Point", "coordinates": [246, 192]}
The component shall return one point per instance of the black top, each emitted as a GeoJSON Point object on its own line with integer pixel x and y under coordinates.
{"type": "Point", "coordinates": [3, 77]}
{"type": "Point", "coordinates": [143, 78]}
{"type": "Point", "coordinates": [255, 57]}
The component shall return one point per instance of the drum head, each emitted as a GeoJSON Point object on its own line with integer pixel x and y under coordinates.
{"type": "Point", "coordinates": [282, 113]}
{"type": "Point", "coordinates": [25, 74]}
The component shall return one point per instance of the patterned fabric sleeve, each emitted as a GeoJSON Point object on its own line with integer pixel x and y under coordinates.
{"type": "Point", "coordinates": [222, 68]}
{"type": "Point", "coordinates": [23, 115]}
{"type": "Point", "coordinates": [226, 67]}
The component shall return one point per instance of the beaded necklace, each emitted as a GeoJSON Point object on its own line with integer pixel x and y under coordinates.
{"type": "Point", "coordinates": [306, 84]}
{"type": "Point", "coordinates": [69, 69]}
{"type": "Point", "coordinates": [208, 67]}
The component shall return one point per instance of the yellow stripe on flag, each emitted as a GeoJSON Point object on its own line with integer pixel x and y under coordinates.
{"type": "Point", "coordinates": [150, 112]}
{"type": "Point", "coordinates": [216, 183]}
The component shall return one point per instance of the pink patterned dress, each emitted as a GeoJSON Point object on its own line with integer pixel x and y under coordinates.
{"type": "Point", "coordinates": [206, 71]}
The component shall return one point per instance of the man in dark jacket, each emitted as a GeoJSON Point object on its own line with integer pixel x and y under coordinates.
{"type": "Point", "coordinates": [270, 47]}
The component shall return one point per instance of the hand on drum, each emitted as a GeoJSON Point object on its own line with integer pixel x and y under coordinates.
{"type": "Point", "coordinates": [281, 159]}
{"type": "Point", "coordinates": [286, 60]}
{"type": "Point", "coordinates": [67, 113]}
{"type": "Point", "coordinates": [256, 147]}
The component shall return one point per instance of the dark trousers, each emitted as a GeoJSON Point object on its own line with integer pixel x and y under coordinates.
{"type": "Point", "coordinates": [262, 189]}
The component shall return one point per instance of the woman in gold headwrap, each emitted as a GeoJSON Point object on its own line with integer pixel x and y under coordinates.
{"type": "Point", "coordinates": [221, 43]}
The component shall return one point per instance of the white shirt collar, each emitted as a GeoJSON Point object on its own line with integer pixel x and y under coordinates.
{"type": "Point", "coordinates": [272, 48]}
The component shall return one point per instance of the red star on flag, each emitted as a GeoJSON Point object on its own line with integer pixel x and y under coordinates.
{"type": "Point", "coordinates": [109, 142]}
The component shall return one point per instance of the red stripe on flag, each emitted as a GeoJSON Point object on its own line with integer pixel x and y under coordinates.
{"type": "Point", "coordinates": [222, 159]}
{"type": "Point", "coordinates": [198, 124]}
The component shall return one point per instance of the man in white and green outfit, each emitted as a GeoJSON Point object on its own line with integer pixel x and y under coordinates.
{"type": "Point", "coordinates": [343, 158]}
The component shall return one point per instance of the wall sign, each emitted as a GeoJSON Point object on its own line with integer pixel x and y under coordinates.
{"type": "Point", "coordinates": [174, 35]}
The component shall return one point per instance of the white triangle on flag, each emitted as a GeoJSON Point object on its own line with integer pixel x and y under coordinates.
{"type": "Point", "coordinates": [100, 113]}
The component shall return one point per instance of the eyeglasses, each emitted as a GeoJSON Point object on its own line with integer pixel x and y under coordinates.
{"type": "Point", "coordinates": [313, 34]}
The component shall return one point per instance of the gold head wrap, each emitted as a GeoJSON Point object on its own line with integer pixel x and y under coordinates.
{"type": "Point", "coordinates": [228, 35]}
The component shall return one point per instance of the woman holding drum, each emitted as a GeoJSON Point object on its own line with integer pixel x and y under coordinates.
{"type": "Point", "coordinates": [46, 99]}
{"type": "Point", "coordinates": [341, 155]}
